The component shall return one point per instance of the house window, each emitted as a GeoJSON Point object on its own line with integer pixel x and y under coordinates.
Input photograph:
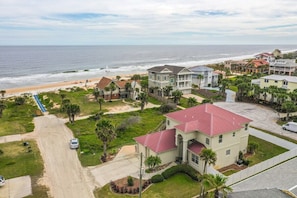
{"type": "Point", "coordinates": [168, 122]}
{"type": "Point", "coordinates": [228, 152]}
{"type": "Point", "coordinates": [233, 134]}
{"type": "Point", "coordinates": [220, 138]}
{"type": "Point", "coordinates": [266, 80]}
{"type": "Point", "coordinates": [275, 81]}
{"type": "Point", "coordinates": [207, 141]}
{"type": "Point", "coordinates": [195, 158]}
{"type": "Point", "coordinates": [285, 83]}
{"type": "Point", "coordinates": [246, 126]}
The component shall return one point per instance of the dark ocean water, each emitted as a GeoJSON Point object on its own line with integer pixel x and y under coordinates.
{"type": "Point", "coordinates": [32, 65]}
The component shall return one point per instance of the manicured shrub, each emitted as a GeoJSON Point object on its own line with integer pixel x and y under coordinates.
{"type": "Point", "coordinates": [130, 181]}
{"type": "Point", "coordinates": [157, 178]}
{"type": "Point", "coordinates": [181, 169]}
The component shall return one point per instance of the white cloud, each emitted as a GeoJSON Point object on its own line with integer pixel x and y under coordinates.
{"type": "Point", "coordinates": [147, 21]}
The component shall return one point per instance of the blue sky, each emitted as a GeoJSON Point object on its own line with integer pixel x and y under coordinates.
{"type": "Point", "coordinates": [149, 22]}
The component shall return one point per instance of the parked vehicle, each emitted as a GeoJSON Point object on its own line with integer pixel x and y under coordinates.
{"type": "Point", "coordinates": [290, 126]}
{"type": "Point", "coordinates": [74, 144]}
{"type": "Point", "coordinates": [2, 180]}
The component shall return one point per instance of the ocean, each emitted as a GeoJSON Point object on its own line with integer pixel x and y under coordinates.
{"type": "Point", "coordinates": [23, 66]}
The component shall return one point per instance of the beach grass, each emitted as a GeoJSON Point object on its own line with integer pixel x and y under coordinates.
{"type": "Point", "coordinates": [91, 147]}
{"type": "Point", "coordinates": [83, 98]}
{"type": "Point", "coordinates": [179, 185]}
{"type": "Point", "coordinates": [18, 119]}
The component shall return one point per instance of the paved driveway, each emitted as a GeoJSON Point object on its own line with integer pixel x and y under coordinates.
{"type": "Point", "coordinates": [16, 187]}
{"type": "Point", "coordinates": [263, 117]}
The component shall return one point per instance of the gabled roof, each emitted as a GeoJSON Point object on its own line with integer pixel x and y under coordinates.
{"type": "Point", "coordinates": [208, 119]}
{"type": "Point", "coordinates": [265, 54]}
{"type": "Point", "coordinates": [167, 68]}
{"type": "Point", "coordinates": [159, 141]}
{"type": "Point", "coordinates": [104, 82]}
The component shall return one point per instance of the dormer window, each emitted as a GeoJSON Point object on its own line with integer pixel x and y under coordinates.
{"type": "Point", "coordinates": [220, 138]}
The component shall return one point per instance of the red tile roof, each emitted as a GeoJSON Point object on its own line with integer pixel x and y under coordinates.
{"type": "Point", "coordinates": [259, 62]}
{"type": "Point", "coordinates": [208, 119]}
{"type": "Point", "coordinates": [104, 82]}
{"type": "Point", "coordinates": [196, 147]}
{"type": "Point", "coordinates": [159, 141]}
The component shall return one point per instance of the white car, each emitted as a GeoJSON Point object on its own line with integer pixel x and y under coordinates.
{"type": "Point", "coordinates": [74, 144]}
{"type": "Point", "coordinates": [2, 180]}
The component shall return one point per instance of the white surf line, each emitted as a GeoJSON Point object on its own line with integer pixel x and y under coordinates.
{"type": "Point", "coordinates": [290, 189]}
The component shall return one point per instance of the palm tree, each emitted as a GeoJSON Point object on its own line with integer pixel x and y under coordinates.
{"type": "Point", "coordinates": [224, 84]}
{"type": "Point", "coordinates": [105, 132]}
{"type": "Point", "coordinates": [112, 87]}
{"type": "Point", "coordinates": [289, 107]}
{"type": "Point", "coordinates": [177, 94]}
{"type": "Point", "coordinates": [192, 101]}
{"type": "Point", "coordinates": [257, 92]}
{"type": "Point", "coordinates": [199, 77]}
{"type": "Point", "coordinates": [265, 91]}
{"type": "Point", "coordinates": [2, 107]}
{"type": "Point", "coordinates": [167, 90]}
{"type": "Point", "coordinates": [100, 101]}
{"type": "Point", "coordinates": [209, 157]}
{"type": "Point", "coordinates": [243, 90]}
{"type": "Point", "coordinates": [72, 110]}
{"type": "Point", "coordinates": [118, 78]}
{"type": "Point", "coordinates": [3, 93]}
{"type": "Point", "coordinates": [143, 97]}
{"type": "Point", "coordinates": [19, 100]}
{"type": "Point", "coordinates": [272, 91]}
{"type": "Point", "coordinates": [62, 95]}
{"type": "Point", "coordinates": [128, 88]}
{"type": "Point", "coordinates": [96, 94]}
{"type": "Point", "coordinates": [218, 183]}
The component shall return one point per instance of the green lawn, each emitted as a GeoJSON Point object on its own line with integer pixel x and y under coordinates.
{"type": "Point", "coordinates": [265, 151]}
{"type": "Point", "coordinates": [91, 147]}
{"type": "Point", "coordinates": [179, 185]}
{"type": "Point", "coordinates": [18, 118]}
{"type": "Point", "coordinates": [17, 161]}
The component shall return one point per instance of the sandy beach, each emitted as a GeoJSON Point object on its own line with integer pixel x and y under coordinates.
{"type": "Point", "coordinates": [59, 85]}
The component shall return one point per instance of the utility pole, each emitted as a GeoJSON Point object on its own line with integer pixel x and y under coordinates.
{"type": "Point", "coordinates": [140, 176]}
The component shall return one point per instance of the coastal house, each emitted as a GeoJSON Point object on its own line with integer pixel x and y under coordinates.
{"type": "Point", "coordinates": [190, 130]}
{"type": "Point", "coordinates": [268, 57]}
{"type": "Point", "coordinates": [257, 66]}
{"type": "Point", "coordinates": [236, 66]}
{"type": "Point", "coordinates": [283, 67]}
{"type": "Point", "coordinates": [204, 76]}
{"type": "Point", "coordinates": [123, 88]}
{"type": "Point", "coordinates": [286, 82]}
{"type": "Point", "coordinates": [160, 77]}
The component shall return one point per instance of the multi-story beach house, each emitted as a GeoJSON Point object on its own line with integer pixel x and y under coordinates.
{"type": "Point", "coordinates": [120, 88]}
{"type": "Point", "coordinates": [283, 66]}
{"type": "Point", "coordinates": [190, 130]}
{"type": "Point", "coordinates": [269, 57]}
{"type": "Point", "coordinates": [236, 66]}
{"type": "Point", "coordinates": [204, 76]}
{"type": "Point", "coordinates": [179, 78]}
{"type": "Point", "coordinates": [286, 82]}
{"type": "Point", "coordinates": [257, 66]}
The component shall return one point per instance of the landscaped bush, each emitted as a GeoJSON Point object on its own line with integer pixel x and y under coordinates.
{"type": "Point", "coordinates": [181, 169]}
{"type": "Point", "coordinates": [166, 108]}
{"type": "Point", "coordinates": [130, 181]}
{"type": "Point", "coordinates": [157, 178]}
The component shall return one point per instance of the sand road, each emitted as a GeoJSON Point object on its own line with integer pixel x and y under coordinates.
{"type": "Point", "coordinates": [63, 172]}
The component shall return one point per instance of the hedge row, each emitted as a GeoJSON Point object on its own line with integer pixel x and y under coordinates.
{"type": "Point", "coordinates": [176, 169]}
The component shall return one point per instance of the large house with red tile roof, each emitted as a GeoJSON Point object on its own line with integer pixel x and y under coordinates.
{"type": "Point", "coordinates": [121, 91]}
{"type": "Point", "coordinates": [190, 130]}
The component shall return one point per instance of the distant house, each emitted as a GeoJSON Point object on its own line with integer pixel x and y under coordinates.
{"type": "Point", "coordinates": [283, 67]}
{"type": "Point", "coordinates": [257, 66]}
{"type": "Point", "coordinates": [190, 130]}
{"type": "Point", "coordinates": [236, 66]}
{"type": "Point", "coordinates": [179, 78]}
{"type": "Point", "coordinates": [286, 82]}
{"type": "Point", "coordinates": [268, 57]}
{"type": "Point", "coordinates": [204, 76]}
{"type": "Point", "coordinates": [121, 90]}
